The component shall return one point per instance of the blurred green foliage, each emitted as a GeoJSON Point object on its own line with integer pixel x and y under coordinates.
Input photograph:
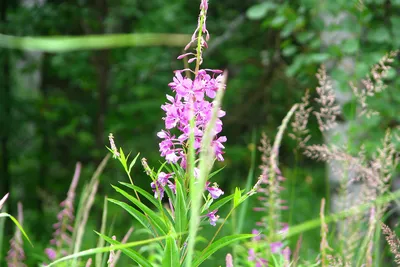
{"type": "Point", "coordinates": [57, 109]}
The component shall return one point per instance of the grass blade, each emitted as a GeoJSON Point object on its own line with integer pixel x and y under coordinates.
{"type": "Point", "coordinates": [135, 256]}
{"type": "Point", "coordinates": [105, 249]}
{"type": "Point", "coordinates": [155, 218]}
{"type": "Point", "coordinates": [100, 243]}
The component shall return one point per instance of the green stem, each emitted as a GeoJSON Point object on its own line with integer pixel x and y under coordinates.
{"type": "Point", "coordinates": [293, 186]}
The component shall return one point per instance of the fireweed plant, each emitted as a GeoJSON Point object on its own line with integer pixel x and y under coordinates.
{"type": "Point", "coordinates": [190, 143]}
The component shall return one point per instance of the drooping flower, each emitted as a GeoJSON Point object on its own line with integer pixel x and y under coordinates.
{"type": "Point", "coordinates": [159, 185]}
{"type": "Point", "coordinates": [212, 217]}
{"type": "Point", "coordinates": [214, 191]}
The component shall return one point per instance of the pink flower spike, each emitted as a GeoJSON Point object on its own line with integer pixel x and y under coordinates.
{"type": "Point", "coordinates": [204, 4]}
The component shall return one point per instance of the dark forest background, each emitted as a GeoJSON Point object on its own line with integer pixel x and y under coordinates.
{"type": "Point", "coordinates": [58, 108]}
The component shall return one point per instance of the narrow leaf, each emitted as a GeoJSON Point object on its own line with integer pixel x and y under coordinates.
{"type": "Point", "coordinates": [129, 252]}
{"type": "Point", "coordinates": [105, 249]}
{"type": "Point", "coordinates": [219, 203]}
{"type": "Point", "coordinates": [181, 220]}
{"type": "Point", "coordinates": [144, 193]}
{"type": "Point", "coordinates": [3, 214]}
{"type": "Point", "coordinates": [133, 163]}
{"type": "Point", "coordinates": [154, 217]}
{"type": "Point", "coordinates": [223, 242]}
{"type": "Point", "coordinates": [135, 213]}
{"type": "Point", "coordinates": [237, 197]}
{"type": "Point", "coordinates": [171, 254]}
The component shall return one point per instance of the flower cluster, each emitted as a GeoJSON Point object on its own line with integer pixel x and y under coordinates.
{"type": "Point", "coordinates": [192, 102]}
{"type": "Point", "coordinates": [269, 189]}
{"type": "Point", "coordinates": [159, 185]}
{"type": "Point", "coordinates": [163, 180]}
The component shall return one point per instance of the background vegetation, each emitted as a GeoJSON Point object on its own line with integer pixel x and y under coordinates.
{"type": "Point", "coordinates": [57, 107]}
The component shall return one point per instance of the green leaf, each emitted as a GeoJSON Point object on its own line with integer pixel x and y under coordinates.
{"type": "Point", "coordinates": [288, 29]}
{"type": "Point", "coordinates": [171, 254]}
{"type": "Point", "coordinates": [317, 57]}
{"type": "Point", "coordinates": [350, 46]}
{"type": "Point", "coordinates": [181, 216]}
{"type": "Point", "coordinates": [289, 50]}
{"type": "Point", "coordinates": [304, 37]}
{"type": "Point", "coordinates": [122, 159]}
{"type": "Point", "coordinates": [134, 212]}
{"type": "Point", "coordinates": [298, 63]}
{"type": "Point", "coordinates": [221, 243]}
{"type": "Point", "coordinates": [133, 163]}
{"type": "Point", "coordinates": [105, 249]}
{"type": "Point", "coordinates": [237, 197]}
{"type": "Point", "coordinates": [3, 214]}
{"type": "Point", "coordinates": [155, 218]}
{"type": "Point", "coordinates": [278, 21]}
{"type": "Point", "coordinates": [215, 172]}
{"type": "Point", "coordinates": [144, 193]}
{"type": "Point", "coordinates": [137, 257]}
{"type": "Point", "coordinates": [379, 34]}
{"type": "Point", "coordinates": [221, 202]}
{"type": "Point", "coordinates": [260, 10]}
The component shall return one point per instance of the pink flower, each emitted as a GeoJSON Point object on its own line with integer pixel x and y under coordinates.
{"type": "Point", "coordinates": [286, 253]}
{"type": "Point", "coordinates": [256, 232]}
{"type": "Point", "coordinates": [51, 253]}
{"type": "Point", "coordinates": [190, 100]}
{"type": "Point", "coordinates": [260, 262]}
{"type": "Point", "coordinates": [276, 247]}
{"type": "Point", "coordinates": [214, 191]}
{"type": "Point", "coordinates": [159, 185]}
{"type": "Point", "coordinates": [212, 217]}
